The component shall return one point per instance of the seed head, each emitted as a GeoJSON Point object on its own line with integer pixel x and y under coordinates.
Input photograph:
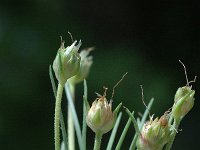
{"type": "Point", "coordinates": [67, 62]}
{"type": "Point", "coordinates": [154, 135]}
{"type": "Point", "coordinates": [100, 117]}
{"type": "Point", "coordinates": [183, 102]}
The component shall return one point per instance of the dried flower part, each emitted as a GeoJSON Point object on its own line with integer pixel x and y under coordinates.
{"type": "Point", "coordinates": [85, 65]}
{"type": "Point", "coordinates": [100, 117]}
{"type": "Point", "coordinates": [183, 102]}
{"type": "Point", "coordinates": [154, 135]}
{"type": "Point", "coordinates": [67, 62]}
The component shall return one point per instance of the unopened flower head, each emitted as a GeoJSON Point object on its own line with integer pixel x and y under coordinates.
{"type": "Point", "coordinates": [67, 62]}
{"type": "Point", "coordinates": [154, 135]}
{"type": "Point", "coordinates": [100, 117]}
{"type": "Point", "coordinates": [85, 65]}
{"type": "Point", "coordinates": [183, 102]}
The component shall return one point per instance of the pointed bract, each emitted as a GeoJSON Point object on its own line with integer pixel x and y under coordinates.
{"type": "Point", "coordinates": [85, 65]}
{"type": "Point", "coordinates": [183, 102]}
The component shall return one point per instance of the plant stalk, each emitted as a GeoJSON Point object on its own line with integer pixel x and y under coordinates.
{"type": "Point", "coordinates": [57, 117]}
{"type": "Point", "coordinates": [97, 142]}
{"type": "Point", "coordinates": [85, 111]}
{"type": "Point", "coordinates": [70, 123]}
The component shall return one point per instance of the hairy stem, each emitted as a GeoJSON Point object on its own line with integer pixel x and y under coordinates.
{"type": "Point", "coordinates": [97, 142]}
{"type": "Point", "coordinates": [57, 117]}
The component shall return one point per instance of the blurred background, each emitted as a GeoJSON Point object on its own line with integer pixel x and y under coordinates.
{"type": "Point", "coordinates": [144, 38]}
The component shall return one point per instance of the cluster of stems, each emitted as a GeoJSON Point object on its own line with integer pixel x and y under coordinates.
{"type": "Point", "coordinates": [155, 134]}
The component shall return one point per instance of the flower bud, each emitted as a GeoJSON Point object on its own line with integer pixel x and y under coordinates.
{"type": "Point", "coordinates": [85, 64]}
{"type": "Point", "coordinates": [154, 135]}
{"type": "Point", "coordinates": [67, 62]}
{"type": "Point", "coordinates": [183, 102]}
{"type": "Point", "coordinates": [100, 117]}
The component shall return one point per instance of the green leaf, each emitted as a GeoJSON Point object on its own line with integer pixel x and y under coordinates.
{"type": "Point", "coordinates": [64, 133]}
{"type": "Point", "coordinates": [138, 121]}
{"type": "Point", "coordinates": [114, 131]}
{"type": "Point", "coordinates": [60, 63]}
{"type": "Point", "coordinates": [133, 120]}
{"type": "Point", "coordinates": [115, 112]}
{"type": "Point", "coordinates": [52, 81]}
{"type": "Point", "coordinates": [122, 137]}
{"type": "Point", "coordinates": [74, 115]}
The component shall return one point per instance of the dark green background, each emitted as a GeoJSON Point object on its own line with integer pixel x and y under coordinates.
{"type": "Point", "coordinates": [144, 38]}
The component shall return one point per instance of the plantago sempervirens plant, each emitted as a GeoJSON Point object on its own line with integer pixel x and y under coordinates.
{"type": "Point", "coordinates": [159, 133]}
{"type": "Point", "coordinates": [71, 68]}
{"type": "Point", "coordinates": [183, 99]}
{"type": "Point", "coordinates": [65, 65]}
{"type": "Point", "coordinates": [100, 117]}
{"type": "Point", "coordinates": [183, 103]}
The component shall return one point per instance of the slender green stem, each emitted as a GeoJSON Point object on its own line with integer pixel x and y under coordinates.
{"type": "Point", "coordinates": [62, 123]}
{"type": "Point", "coordinates": [84, 126]}
{"type": "Point", "coordinates": [64, 133]}
{"type": "Point", "coordinates": [57, 117]}
{"type": "Point", "coordinates": [70, 123]}
{"type": "Point", "coordinates": [97, 142]}
{"type": "Point", "coordinates": [174, 132]}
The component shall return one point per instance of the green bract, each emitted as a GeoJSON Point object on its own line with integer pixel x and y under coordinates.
{"type": "Point", "coordinates": [154, 134]}
{"type": "Point", "coordinates": [67, 62]}
{"type": "Point", "coordinates": [183, 102]}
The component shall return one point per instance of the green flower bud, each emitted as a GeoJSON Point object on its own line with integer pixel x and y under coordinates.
{"type": "Point", "coordinates": [86, 62]}
{"type": "Point", "coordinates": [100, 117]}
{"type": "Point", "coordinates": [183, 102]}
{"type": "Point", "coordinates": [154, 134]}
{"type": "Point", "coordinates": [67, 62]}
